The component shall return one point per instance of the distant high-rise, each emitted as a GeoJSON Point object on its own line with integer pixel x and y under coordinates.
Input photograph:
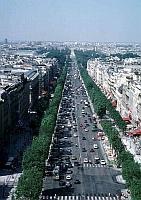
{"type": "Point", "coordinates": [6, 41]}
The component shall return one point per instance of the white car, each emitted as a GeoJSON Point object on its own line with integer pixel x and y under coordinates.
{"type": "Point", "coordinates": [95, 146]}
{"type": "Point", "coordinates": [75, 135]}
{"type": "Point", "coordinates": [102, 162]}
{"type": "Point", "coordinates": [86, 160]}
{"type": "Point", "coordinates": [86, 130]}
{"type": "Point", "coordinates": [74, 157]}
{"type": "Point", "coordinates": [68, 177]}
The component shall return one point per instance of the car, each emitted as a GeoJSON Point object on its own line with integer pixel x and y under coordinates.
{"type": "Point", "coordinates": [73, 157]}
{"type": "Point", "coordinates": [95, 129]}
{"type": "Point", "coordinates": [75, 135]}
{"type": "Point", "coordinates": [69, 165]}
{"type": "Point", "coordinates": [84, 149]}
{"type": "Point", "coordinates": [91, 150]}
{"type": "Point", "coordinates": [93, 138]}
{"type": "Point", "coordinates": [69, 171]}
{"type": "Point", "coordinates": [56, 177]}
{"type": "Point", "coordinates": [97, 160]}
{"type": "Point", "coordinates": [100, 134]}
{"type": "Point", "coordinates": [65, 137]}
{"type": "Point", "coordinates": [68, 177]}
{"type": "Point", "coordinates": [86, 130]}
{"type": "Point", "coordinates": [83, 138]}
{"type": "Point", "coordinates": [81, 125]}
{"type": "Point", "coordinates": [62, 183]}
{"type": "Point", "coordinates": [95, 146]}
{"type": "Point", "coordinates": [102, 162]}
{"type": "Point", "coordinates": [86, 160]}
{"type": "Point", "coordinates": [76, 145]}
{"type": "Point", "coordinates": [77, 181]}
{"type": "Point", "coordinates": [68, 184]}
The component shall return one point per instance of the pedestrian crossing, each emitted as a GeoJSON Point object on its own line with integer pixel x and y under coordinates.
{"type": "Point", "coordinates": [82, 197]}
{"type": "Point", "coordinates": [93, 165]}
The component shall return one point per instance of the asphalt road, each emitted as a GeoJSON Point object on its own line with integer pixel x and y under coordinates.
{"type": "Point", "coordinates": [97, 181]}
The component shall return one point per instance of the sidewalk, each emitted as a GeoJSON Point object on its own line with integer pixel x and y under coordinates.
{"type": "Point", "coordinates": [130, 146]}
{"type": "Point", "coordinates": [9, 178]}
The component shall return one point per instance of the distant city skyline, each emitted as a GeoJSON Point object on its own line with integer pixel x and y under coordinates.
{"type": "Point", "coordinates": [75, 20]}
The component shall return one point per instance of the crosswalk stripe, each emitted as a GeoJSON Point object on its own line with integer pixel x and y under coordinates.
{"type": "Point", "coordinates": [95, 197]}
{"type": "Point", "coordinates": [93, 165]}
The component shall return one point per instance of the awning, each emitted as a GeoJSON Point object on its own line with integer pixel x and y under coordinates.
{"type": "Point", "coordinates": [114, 103]}
{"type": "Point", "coordinates": [135, 132]}
{"type": "Point", "coordinates": [126, 119]}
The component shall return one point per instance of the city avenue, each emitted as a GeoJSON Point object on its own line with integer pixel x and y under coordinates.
{"type": "Point", "coordinates": [77, 167]}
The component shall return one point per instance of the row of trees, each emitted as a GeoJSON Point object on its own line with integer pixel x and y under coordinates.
{"type": "Point", "coordinates": [84, 56]}
{"type": "Point", "coordinates": [101, 103]}
{"type": "Point", "coordinates": [125, 55]}
{"type": "Point", "coordinates": [30, 183]}
{"type": "Point", "coordinates": [130, 169]}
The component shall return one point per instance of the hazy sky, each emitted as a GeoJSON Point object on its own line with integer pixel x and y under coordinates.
{"type": "Point", "coordinates": [71, 20]}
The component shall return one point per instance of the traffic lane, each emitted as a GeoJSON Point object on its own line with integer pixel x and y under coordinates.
{"type": "Point", "coordinates": [93, 134]}
{"type": "Point", "coordinates": [82, 143]}
{"type": "Point", "coordinates": [88, 144]}
{"type": "Point", "coordinates": [79, 188]}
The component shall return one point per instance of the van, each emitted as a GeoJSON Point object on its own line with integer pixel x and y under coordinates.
{"type": "Point", "coordinates": [9, 163]}
{"type": "Point", "coordinates": [95, 146]}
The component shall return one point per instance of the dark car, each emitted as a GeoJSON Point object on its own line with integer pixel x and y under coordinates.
{"type": "Point", "coordinates": [83, 138]}
{"type": "Point", "coordinates": [84, 149]}
{"type": "Point", "coordinates": [62, 183]}
{"type": "Point", "coordinates": [68, 184]}
{"type": "Point", "coordinates": [77, 181]}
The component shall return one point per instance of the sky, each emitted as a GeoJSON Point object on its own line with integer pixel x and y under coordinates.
{"type": "Point", "coordinates": [71, 20]}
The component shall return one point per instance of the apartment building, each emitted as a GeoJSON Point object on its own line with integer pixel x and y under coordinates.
{"type": "Point", "coordinates": [121, 84]}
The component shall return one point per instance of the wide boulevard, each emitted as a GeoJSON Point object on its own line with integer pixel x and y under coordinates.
{"type": "Point", "coordinates": [77, 166]}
